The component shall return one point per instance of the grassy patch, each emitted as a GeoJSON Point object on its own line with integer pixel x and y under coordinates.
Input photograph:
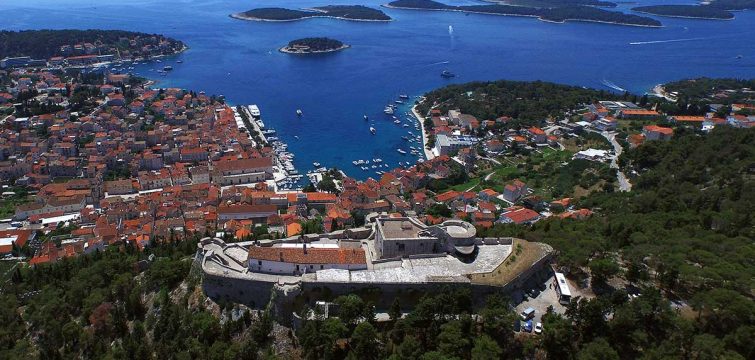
{"type": "Point", "coordinates": [524, 255]}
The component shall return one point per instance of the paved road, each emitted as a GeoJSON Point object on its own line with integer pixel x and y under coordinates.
{"type": "Point", "coordinates": [624, 184]}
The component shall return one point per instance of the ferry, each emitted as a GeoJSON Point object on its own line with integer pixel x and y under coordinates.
{"type": "Point", "coordinates": [255, 111]}
{"type": "Point", "coordinates": [299, 112]}
{"type": "Point", "coordinates": [372, 130]}
{"type": "Point", "coordinates": [447, 74]}
{"type": "Point", "coordinates": [402, 152]}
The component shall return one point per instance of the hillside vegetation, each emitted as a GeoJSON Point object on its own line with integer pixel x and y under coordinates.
{"type": "Point", "coordinates": [46, 43]}
{"type": "Point", "coordinates": [554, 14]}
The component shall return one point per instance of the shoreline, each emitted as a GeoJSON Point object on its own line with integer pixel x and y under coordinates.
{"type": "Point", "coordinates": [538, 17]}
{"type": "Point", "coordinates": [241, 16]}
{"type": "Point", "coordinates": [683, 17]}
{"type": "Point", "coordinates": [286, 50]}
{"type": "Point", "coordinates": [429, 155]}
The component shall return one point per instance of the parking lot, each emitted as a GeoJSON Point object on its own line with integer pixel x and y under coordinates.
{"type": "Point", "coordinates": [543, 298]}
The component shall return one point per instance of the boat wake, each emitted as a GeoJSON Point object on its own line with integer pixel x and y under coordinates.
{"type": "Point", "coordinates": [666, 41]}
{"type": "Point", "coordinates": [613, 85]}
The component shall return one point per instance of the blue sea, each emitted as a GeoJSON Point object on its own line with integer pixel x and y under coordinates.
{"type": "Point", "coordinates": [239, 59]}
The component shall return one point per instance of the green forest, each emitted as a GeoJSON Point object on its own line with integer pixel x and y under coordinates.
{"type": "Point", "coordinates": [528, 102]}
{"type": "Point", "coordinates": [688, 219]}
{"type": "Point", "coordinates": [692, 11]}
{"type": "Point", "coordinates": [317, 43]}
{"type": "Point", "coordinates": [555, 14]}
{"type": "Point", "coordinates": [351, 12]}
{"type": "Point", "coordinates": [46, 43]}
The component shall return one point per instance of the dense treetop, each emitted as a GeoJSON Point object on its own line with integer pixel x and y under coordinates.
{"type": "Point", "coordinates": [521, 100]}
{"type": "Point", "coordinates": [692, 11]}
{"type": "Point", "coordinates": [350, 12]}
{"type": "Point", "coordinates": [317, 43]}
{"type": "Point", "coordinates": [47, 43]}
{"type": "Point", "coordinates": [556, 14]}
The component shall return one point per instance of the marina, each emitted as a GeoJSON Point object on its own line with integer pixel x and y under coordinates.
{"type": "Point", "coordinates": [285, 174]}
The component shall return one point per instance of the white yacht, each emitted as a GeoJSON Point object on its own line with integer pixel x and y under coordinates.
{"type": "Point", "coordinates": [372, 130]}
{"type": "Point", "coordinates": [255, 111]}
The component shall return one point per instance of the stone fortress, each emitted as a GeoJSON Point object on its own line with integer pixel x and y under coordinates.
{"type": "Point", "coordinates": [389, 256]}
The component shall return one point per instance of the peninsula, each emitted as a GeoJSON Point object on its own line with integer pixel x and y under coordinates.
{"type": "Point", "coordinates": [686, 11]}
{"type": "Point", "coordinates": [343, 12]}
{"type": "Point", "coordinates": [557, 14]}
{"type": "Point", "coordinates": [84, 45]}
{"type": "Point", "coordinates": [316, 45]}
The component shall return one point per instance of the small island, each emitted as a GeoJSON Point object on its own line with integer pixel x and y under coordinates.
{"type": "Point", "coordinates": [554, 3]}
{"type": "Point", "coordinates": [342, 12]}
{"type": "Point", "coordinates": [315, 45]}
{"type": "Point", "coordinates": [686, 11]}
{"type": "Point", "coordinates": [558, 14]}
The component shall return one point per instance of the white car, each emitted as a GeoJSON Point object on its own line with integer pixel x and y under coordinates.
{"type": "Point", "coordinates": [538, 328]}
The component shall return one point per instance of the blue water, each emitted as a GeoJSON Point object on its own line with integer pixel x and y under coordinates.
{"type": "Point", "coordinates": [239, 59]}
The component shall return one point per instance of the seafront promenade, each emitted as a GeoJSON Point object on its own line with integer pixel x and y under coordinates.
{"type": "Point", "coordinates": [429, 155]}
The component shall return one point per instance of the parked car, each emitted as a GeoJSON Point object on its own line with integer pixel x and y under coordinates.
{"type": "Point", "coordinates": [517, 325]}
{"type": "Point", "coordinates": [533, 293]}
{"type": "Point", "coordinates": [527, 314]}
{"type": "Point", "coordinates": [538, 328]}
{"type": "Point", "coordinates": [527, 326]}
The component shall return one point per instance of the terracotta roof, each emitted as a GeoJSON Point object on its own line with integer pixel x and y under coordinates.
{"type": "Point", "coordinates": [521, 215]}
{"type": "Point", "coordinates": [312, 255]}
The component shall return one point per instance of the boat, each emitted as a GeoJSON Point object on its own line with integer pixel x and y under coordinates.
{"type": "Point", "coordinates": [316, 164]}
{"type": "Point", "coordinates": [388, 110]}
{"type": "Point", "coordinates": [399, 102]}
{"type": "Point", "coordinates": [447, 74]}
{"type": "Point", "coordinates": [255, 111]}
{"type": "Point", "coordinates": [179, 61]}
{"type": "Point", "coordinates": [397, 121]}
{"type": "Point", "coordinates": [406, 125]}
{"type": "Point", "coordinates": [403, 96]}
{"type": "Point", "coordinates": [405, 138]}
{"type": "Point", "coordinates": [299, 112]}
{"type": "Point", "coordinates": [167, 68]}
{"type": "Point", "coordinates": [365, 117]}
{"type": "Point", "coordinates": [296, 137]}
{"type": "Point", "coordinates": [372, 130]}
{"type": "Point", "coordinates": [355, 162]}
{"type": "Point", "coordinates": [402, 152]}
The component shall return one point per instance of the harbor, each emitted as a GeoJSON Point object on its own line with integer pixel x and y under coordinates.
{"type": "Point", "coordinates": [285, 174]}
